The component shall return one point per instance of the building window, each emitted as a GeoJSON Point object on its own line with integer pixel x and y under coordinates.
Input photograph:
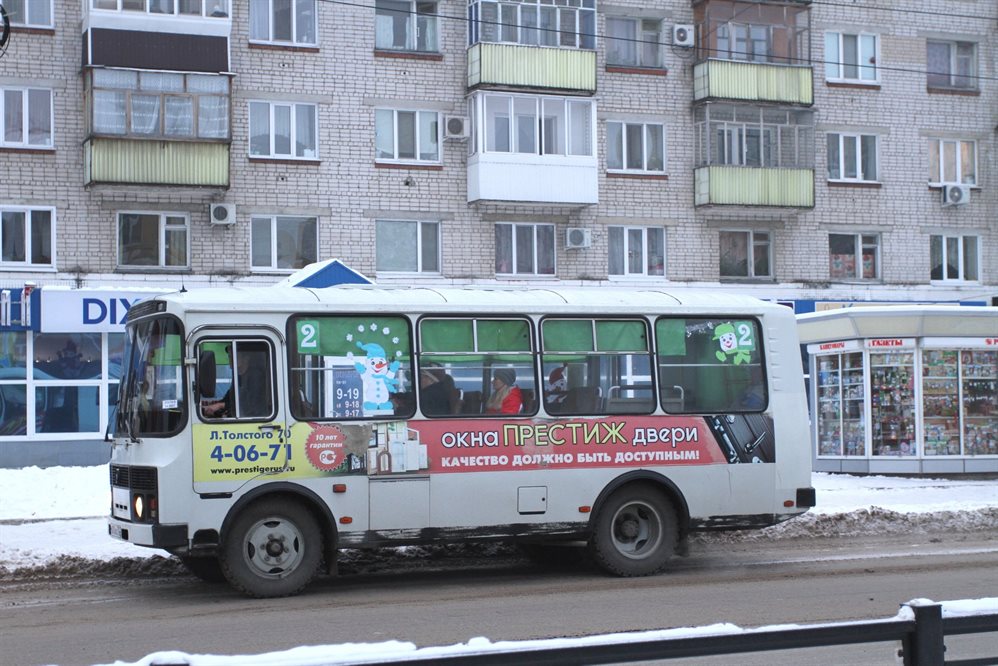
{"type": "Point", "coordinates": [570, 24]}
{"type": "Point", "coordinates": [407, 136]}
{"type": "Point", "coordinates": [283, 130]}
{"type": "Point", "coordinates": [853, 257]}
{"type": "Point", "coordinates": [166, 105]}
{"type": "Point", "coordinates": [745, 254]}
{"type": "Point", "coordinates": [26, 236]}
{"type": "Point", "coordinates": [408, 246]}
{"type": "Point", "coordinates": [158, 240]}
{"type": "Point", "coordinates": [29, 13]}
{"type": "Point", "coordinates": [405, 25]}
{"type": "Point", "coordinates": [852, 157]}
{"type": "Point", "coordinates": [27, 118]}
{"type": "Point", "coordinates": [851, 57]}
{"type": "Point", "coordinates": [537, 125]}
{"type": "Point", "coordinates": [637, 251]}
{"type": "Point", "coordinates": [284, 243]}
{"type": "Point", "coordinates": [954, 258]}
{"type": "Point", "coordinates": [951, 65]}
{"type": "Point", "coordinates": [283, 21]}
{"type": "Point", "coordinates": [635, 147]}
{"type": "Point", "coordinates": [207, 8]}
{"type": "Point", "coordinates": [633, 42]}
{"type": "Point", "coordinates": [952, 162]}
{"type": "Point", "coordinates": [524, 249]}
{"type": "Point", "coordinates": [743, 41]}
{"type": "Point", "coordinates": [729, 134]}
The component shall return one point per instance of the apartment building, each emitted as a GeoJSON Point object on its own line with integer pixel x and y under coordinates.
{"type": "Point", "coordinates": [802, 151]}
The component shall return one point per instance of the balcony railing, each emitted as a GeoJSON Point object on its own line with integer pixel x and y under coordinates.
{"type": "Point", "coordinates": [566, 180]}
{"type": "Point", "coordinates": [128, 161]}
{"type": "Point", "coordinates": [753, 186]}
{"type": "Point", "coordinates": [751, 81]}
{"type": "Point", "coordinates": [531, 67]}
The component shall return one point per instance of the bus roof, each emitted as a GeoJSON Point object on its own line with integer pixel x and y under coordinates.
{"type": "Point", "coordinates": [450, 299]}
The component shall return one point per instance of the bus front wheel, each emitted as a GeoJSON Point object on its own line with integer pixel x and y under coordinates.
{"type": "Point", "coordinates": [635, 532]}
{"type": "Point", "coordinates": [273, 549]}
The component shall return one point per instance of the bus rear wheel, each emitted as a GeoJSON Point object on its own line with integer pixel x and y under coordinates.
{"type": "Point", "coordinates": [273, 549]}
{"type": "Point", "coordinates": [635, 532]}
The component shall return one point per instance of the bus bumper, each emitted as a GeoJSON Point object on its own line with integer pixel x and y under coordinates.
{"type": "Point", "coordinates": [153, 536]}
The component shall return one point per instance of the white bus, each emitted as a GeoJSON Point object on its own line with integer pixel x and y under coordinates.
{"type": "Point", "coordinates": [259, 430]}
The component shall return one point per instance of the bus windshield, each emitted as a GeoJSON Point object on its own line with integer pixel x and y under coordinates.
{"type": "Point", "coordinates": [152, 401]}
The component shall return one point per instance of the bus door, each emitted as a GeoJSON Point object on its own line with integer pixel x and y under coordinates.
{"type": "Point", "coordinates": [239, 420]}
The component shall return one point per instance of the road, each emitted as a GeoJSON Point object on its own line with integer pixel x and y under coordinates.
{"type": "Point", "coordinates": [443, 600]}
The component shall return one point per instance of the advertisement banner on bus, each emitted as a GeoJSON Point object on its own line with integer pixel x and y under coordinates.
{"type": "Point", "coordinates": [303, 450]}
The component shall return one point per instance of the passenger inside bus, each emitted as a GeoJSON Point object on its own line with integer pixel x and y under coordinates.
{"type": "Point", "coordinates": [436, 388]}
{"type": "Point", "coordinates": [252, 386]}
{"type": "Point", "coordinates": [505, 397]}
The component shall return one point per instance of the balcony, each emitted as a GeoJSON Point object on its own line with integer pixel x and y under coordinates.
{"type": "Point", "coordinates": [151, 162]}
{"type": "Point", "coordinates": [753, 186]}
{"type": "Point", "coordinates": [565, 180]}
{"type": "Point", "coordinates": [531, 67]}
{"type": "Point", "coordinates": [753, 82]}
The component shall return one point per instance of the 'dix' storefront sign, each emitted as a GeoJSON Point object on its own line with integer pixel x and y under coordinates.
{"type": "Point", "coordinates": [88, 310]}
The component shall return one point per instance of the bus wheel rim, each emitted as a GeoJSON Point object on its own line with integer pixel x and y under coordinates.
{"type": "Point", "coordinates": [636, 530]}
{"type": "Point", "coordinates": [273, 547]}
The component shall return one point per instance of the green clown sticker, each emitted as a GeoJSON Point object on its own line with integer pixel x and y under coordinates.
{"type": "Point", "coordinates": [736, 341]}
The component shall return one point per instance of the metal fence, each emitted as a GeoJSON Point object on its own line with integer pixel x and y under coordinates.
{"type": "Point", "coordinates": [922, 639]}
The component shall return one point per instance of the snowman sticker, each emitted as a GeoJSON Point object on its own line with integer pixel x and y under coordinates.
{"type": "Point", "coordinates": [379, 376]}
{"type": "Point", "coordinates": [735, 341]}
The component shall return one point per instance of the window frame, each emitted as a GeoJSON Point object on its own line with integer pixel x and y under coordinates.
{"type": "Point", "coordinates": [162, 229]}
{"type": "Point", "coordinates": [25, 118]}
{"type": "Point", "coordinates": [126, 93]}
{"type": "Point", "coordinates": [535, 259]}
{"type": "Point", "coordinates": [292, 107]}
{"type": "Point", "coordinates": [412, 27]}
{"type": "Point", "coordinates": [220, 8]}
{"type": "Point", "coordinates": [953, 47]}
{"type": "Point", "coordinates": [418, 136]}
{"type": "Point", "coordinates": [861, 242]}
{"type": "Point", "coordinates": [29, 250]}
{"type": "Point", "coordinates": [571, 117]}
{"type": "Point", "coordinates": [275, 222]}
{"type": "Point", "coordinates": [294, 41]}
{"type": "Point", "coordinates": [582, 13]}
{"type": "Point", "coordinates": [26, 10]}
{"type": "Point", "coordinates": [637, 34]}
{"type": "Point", "coordinates": [835, 59]}
{"type": "Point", "coordinates": [937, 156]}
{"type": "Point", "coordinates": [646, 253]}
{"type": "Point", "coordinates": [965, 263]}
{"type": "Point", "coordinates": [422, 227]}
{"type": "Point", "coordinates": [623, 127]}
{"type": "Point", "coordinates": [751, 245]}
{"type": "Point", "coordinates": [860, 151]}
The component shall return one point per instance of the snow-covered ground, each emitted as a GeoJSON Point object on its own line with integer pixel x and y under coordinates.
{"type": "Point", "coordinates": [52, 520]}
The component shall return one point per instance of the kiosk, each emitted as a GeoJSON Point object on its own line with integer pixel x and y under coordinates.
{"type": "Point", "coordinates": [903, 389]}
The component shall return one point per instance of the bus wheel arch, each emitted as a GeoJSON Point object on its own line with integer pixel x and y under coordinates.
{"type": "Point", "coordinates": [274, 539]}
{"type": "Point", "coordinates": [637, 524]}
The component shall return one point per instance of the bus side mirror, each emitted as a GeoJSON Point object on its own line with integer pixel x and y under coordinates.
{"type": "Point", "coordinates": [207, 374]}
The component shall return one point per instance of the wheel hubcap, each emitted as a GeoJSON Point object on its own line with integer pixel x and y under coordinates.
{"type": "Point", "coordinates": [637, 530]}
{"type": "Point", "coordinates": [273, 547]}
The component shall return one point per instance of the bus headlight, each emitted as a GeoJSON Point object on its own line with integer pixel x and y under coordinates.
{"type": "Point", "coordinates": [138, 507]}
{"type": "Point", "coordinates": [144, 508]}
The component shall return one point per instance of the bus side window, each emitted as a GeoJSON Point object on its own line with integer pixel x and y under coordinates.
{"type": "Point", "coordinates": [476, 366]}
{"type": "Point", "coordinates": [244, 386]}
{"type": "Point", "coordinates": [710, 365]}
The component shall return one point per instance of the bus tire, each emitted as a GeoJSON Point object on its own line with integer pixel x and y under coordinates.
{"type": "Point", "coordinates": [273, 549]}
{"type": "Point", "coordinates": [635, 532]}
{"type": "Point", "coordinates": [207, 569]}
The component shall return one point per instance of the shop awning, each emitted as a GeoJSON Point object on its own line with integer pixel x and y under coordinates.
{"type": "Point", "coordinates": [322, 274]}
{"type": "Point", "coordinates": [898, 321]}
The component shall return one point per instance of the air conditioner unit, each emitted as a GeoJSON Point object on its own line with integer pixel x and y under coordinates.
{"type": "Point", "coordinates": [222, 213]}
{"type": "Point", "coordinates": [956, 195]}
{"type": "Point", "coordinates": [682, 35]}
{"type": "Point", "coordinates": [455, 127]}
{"type": "Point", "coordinates": [577, 238]}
